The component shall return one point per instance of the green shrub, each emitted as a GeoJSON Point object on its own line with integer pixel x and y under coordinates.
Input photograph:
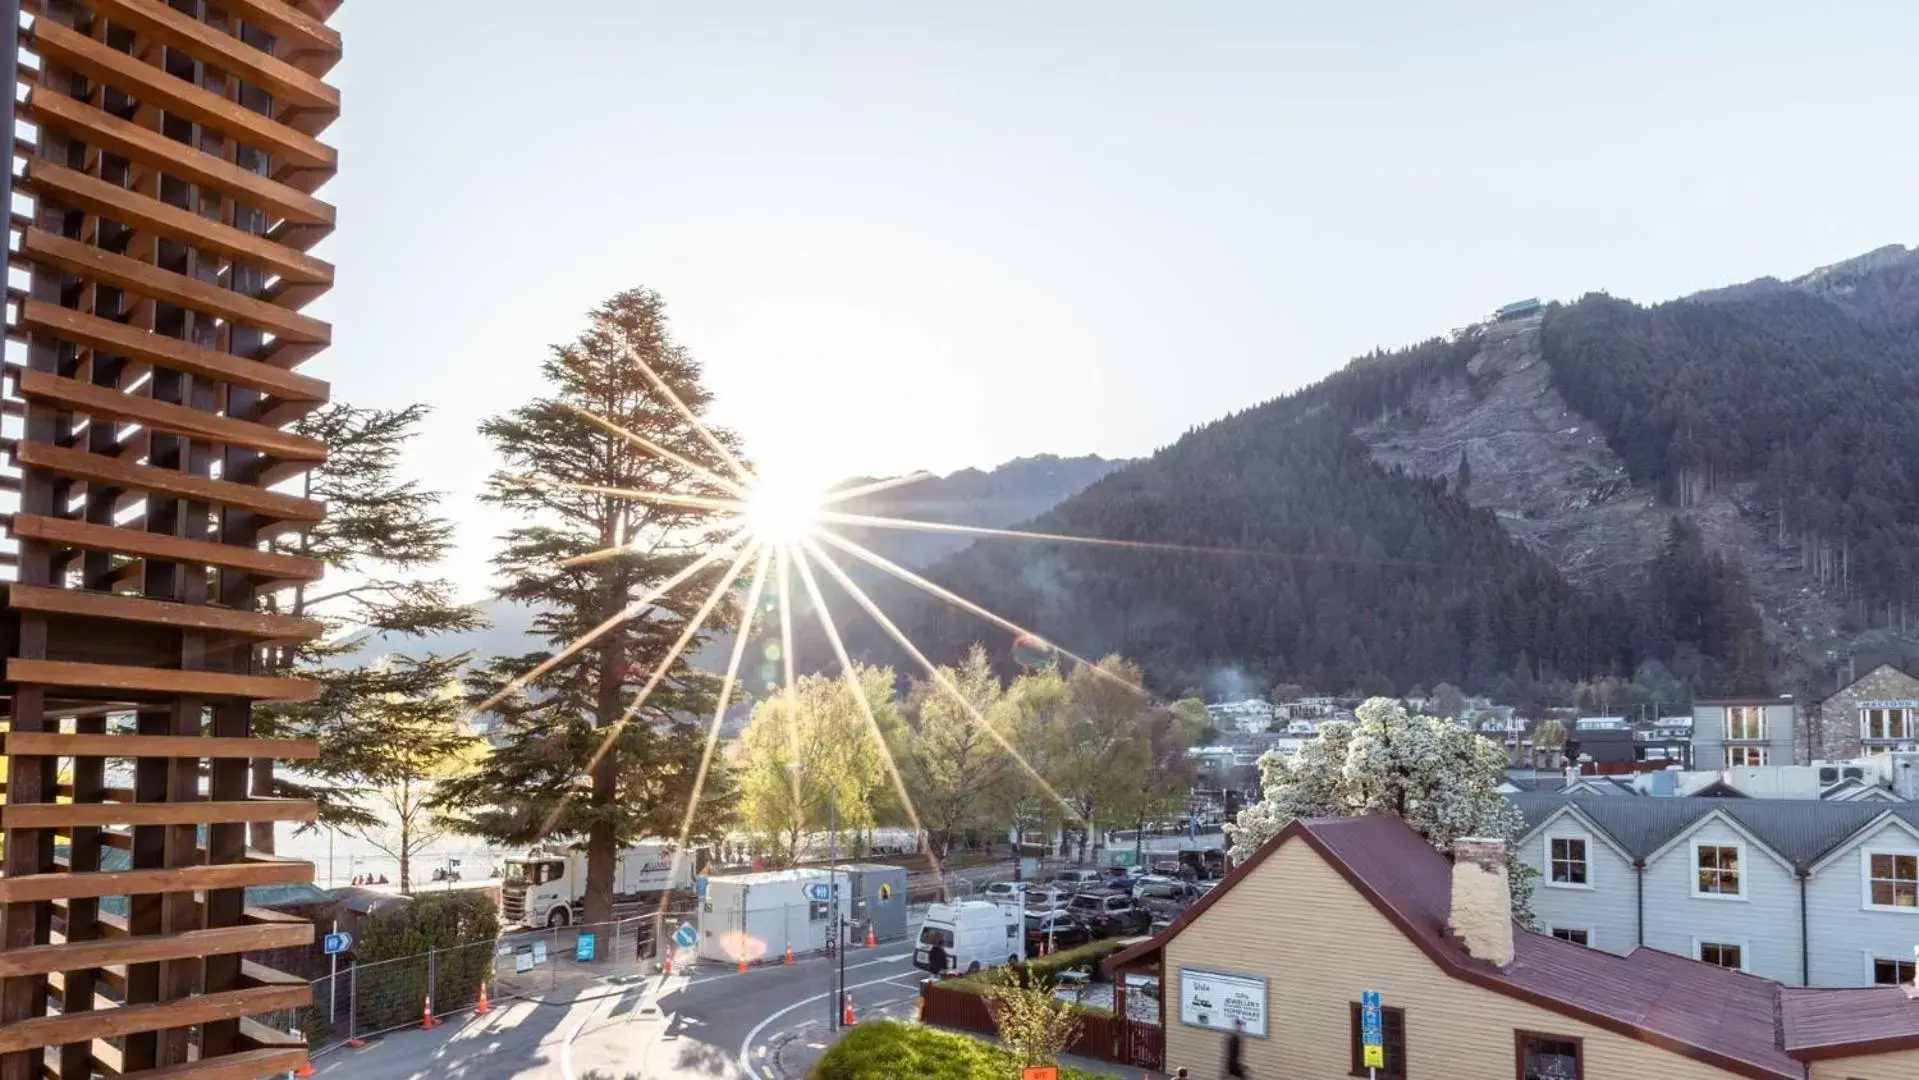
{"type": "Point", "coordinates": [391, 950]}
{"type": "Point", "coordinates": [887, 1050]}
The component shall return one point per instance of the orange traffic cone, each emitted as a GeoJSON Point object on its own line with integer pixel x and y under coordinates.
{"type": "Point", "coordinates": [482, 1008]}
{"type": "Point", "coordinates": [742, 963]}
{"type": "Point", "coordinates": [789, 954]}
{"type": "Point", "coordinates": [666, 965]}
{"type": "Point", "coordinates": [427, 1023]}
{"type": "Point", "coordinates": [305, 1069]}
{"type": "Point", "coordinates": [846, 1013]}
{"type": "Point", "coordinates": [869, 936]}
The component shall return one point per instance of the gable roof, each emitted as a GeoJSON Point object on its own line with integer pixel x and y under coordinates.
{"type": "Point", "coordinates": [1874, 670]}
{"type": "Point", "coordinates": [1800, 831]}
{"type": "Point", "coordinates": [1817, 1024]}
{"type": "Point", "coordinates": [1699, 1011]}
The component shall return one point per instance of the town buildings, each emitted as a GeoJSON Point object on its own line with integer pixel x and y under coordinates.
{"type": "Point", "coordinates": [1370, 907]}
{"type": "Point", "coordinates": [163, 219]}
{"type": "Point", "coordinates": [1808, 892]}
{"type": "Point", "coordinates": [1875, 714]}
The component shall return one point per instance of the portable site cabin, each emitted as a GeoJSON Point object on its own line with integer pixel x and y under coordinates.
{"type": "Point", "coordinates": [756, 916]}
{"type": "Point", "coordinates": [876, 893]}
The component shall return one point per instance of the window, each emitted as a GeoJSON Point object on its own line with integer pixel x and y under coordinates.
{"type": "Point", "coordinates": [1746, 722]}
{"type": "Point", "coordinates": [1392, 1024]}
{"type": "Point", "coordinates": [1546, 1057]}
{"type": "Point", "coordinates": [1718, 870]}
{"type": "Point", "coordinates": [1890, 725]}
{"type": "Point", "coordinates": [1892, 880]}
{"type": "Point", "coordinates": [1577, 937]}
{"type": "Point", "coordinates": [1567, 856]}
{"type": "Point", "coordinates": [1891, 972]}
{"type": "Point", "coordinates": [1720, 954]}
{"type": "Point", "coordinates": [1741, 756]}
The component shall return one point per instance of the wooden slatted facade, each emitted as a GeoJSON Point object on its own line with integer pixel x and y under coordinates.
{"type": "Point", "coordinates": [164, 210]}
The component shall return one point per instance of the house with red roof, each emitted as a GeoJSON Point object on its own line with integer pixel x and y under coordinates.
{"type": "Point", "coordinates": [1285, 950]}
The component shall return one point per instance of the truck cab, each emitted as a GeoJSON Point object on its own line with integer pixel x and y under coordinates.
{"type": "Point", "coordinates": [537, 890]}
{"type": "Point", "coordinates": [975, 934]}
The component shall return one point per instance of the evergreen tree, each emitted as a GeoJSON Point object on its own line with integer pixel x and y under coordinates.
{"type": "Point", "coordinates": [379, 531]}
{"type": "Point", "coordinates": [581, 759]}
{"type": "Point", "coordinates": [1465, 481]}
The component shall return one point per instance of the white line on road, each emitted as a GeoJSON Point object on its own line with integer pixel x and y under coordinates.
{"type": "Point", "coordinates": [746, 1047]}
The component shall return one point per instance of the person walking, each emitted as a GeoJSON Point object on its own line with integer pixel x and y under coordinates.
{"type": "Point", "coordinates": [1234, 1066]}
{"type": "Point", "coordinates": [936, 959]}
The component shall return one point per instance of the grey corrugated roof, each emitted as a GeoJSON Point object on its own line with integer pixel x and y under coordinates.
{"type": "Point", "coordinates": [1800, 831]}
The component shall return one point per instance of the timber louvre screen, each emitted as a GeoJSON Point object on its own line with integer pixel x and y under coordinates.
{"type": "Point", "coordinates": [166, 154]}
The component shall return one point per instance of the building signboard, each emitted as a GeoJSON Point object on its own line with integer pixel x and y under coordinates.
{"type": "Point", "coordinates": [1219, 1000]}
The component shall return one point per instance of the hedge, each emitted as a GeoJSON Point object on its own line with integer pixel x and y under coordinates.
{"type": "Point", "coordinates": [1084, 957]}
{"type": "Point", "coordinates": [888, 1049]}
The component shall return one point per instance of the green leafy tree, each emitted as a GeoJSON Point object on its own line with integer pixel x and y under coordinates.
{"type": "Point", "coordinates": [380, 531]}
{"type": "Point", "coordinates": [1033, 708]}
{"type": "Point", "coordinates": [794, 764]}
{"type": "Point", "coordinates": [1448, 701]}
{"type": "Point", "coordinates": [1101, 751]}
{"type": "Point", "coordinates": [581, 760]}
{"type": "Point", "coordinates": [952, 765]}
{"type": "Point", "coordinates": [1035, 1025]}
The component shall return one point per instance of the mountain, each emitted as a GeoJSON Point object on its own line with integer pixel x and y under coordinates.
{"type": "Point", "coordinates": [1719, 484]}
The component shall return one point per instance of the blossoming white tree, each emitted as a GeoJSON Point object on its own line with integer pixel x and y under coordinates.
{"type": "Point", "coordinates": [1439, 779]}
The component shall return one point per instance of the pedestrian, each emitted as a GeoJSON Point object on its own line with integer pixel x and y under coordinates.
{"type": "Point", "coordinates": [1234, 1066]}
{"type": "Point", "coordinates": [936, 960]}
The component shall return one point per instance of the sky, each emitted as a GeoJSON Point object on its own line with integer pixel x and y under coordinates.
{"type": "Point", "coordinates": [931, 236]}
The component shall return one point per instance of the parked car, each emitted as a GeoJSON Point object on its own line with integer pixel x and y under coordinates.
{"type": "Point", "coordinates": [1075, 880]}
{"type": "Point", "coordinates": [1157, 887]}
{"type": "Point", "coordinates": [1054, 930]}
{"type": "Point", "coordinates": [1110, 916]}
{"type": "Point", "coordinates": [1045, 899]}
{"type": "Point", "coordinates": [1005, 890]}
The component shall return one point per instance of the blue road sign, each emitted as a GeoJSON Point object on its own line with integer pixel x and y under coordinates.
{"type": "Point", "coordinates": [819, 890]}
{"type": "Point", "coordinates": [686, 937]}
{"type": "Point", "coordinates": [583, 947]}
{"type": "Point", "coordinates": [336, 943]}
{"type": "Point", "coordinates": [1372, 1030]}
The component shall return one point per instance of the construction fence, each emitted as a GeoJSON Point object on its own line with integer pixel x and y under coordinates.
{"type": "Point", "coordinates": [362, 1001]}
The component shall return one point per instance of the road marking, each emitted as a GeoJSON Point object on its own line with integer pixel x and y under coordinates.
{"type": "Point", "coordinates": [566, 1046]}
{"type": "Point", "coordinates": [746, 1058]}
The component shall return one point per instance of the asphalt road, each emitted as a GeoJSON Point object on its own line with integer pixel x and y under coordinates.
{"type": "Point", "coordinates": [715, 1024]}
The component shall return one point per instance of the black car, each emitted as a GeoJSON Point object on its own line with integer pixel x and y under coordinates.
{"type": "Point", "coordinates": [1058, 928]}
{"type": "Point", "coordinates": [1110, 915]}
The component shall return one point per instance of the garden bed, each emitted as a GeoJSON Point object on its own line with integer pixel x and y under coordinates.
{"type": "Point", "coordinates": [887, 1049]}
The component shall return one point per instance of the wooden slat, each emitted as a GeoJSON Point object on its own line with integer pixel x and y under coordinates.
{"type": "Point", "coordinates": [81, 534]}
{"type": "Point", "coordinates": [121, 340]}
{"type": "Point", "coordinates": [52, 109]}
{"type": "Point", "coordinates": [224, 51]}
{"type": "Point", "coordinates": [103, 605]}
{"type": "Point", "coordinates": [302, 30]}
{"type": "Point", "coordinates": [246, 1065]}
{"type": "Point", "coordinates": [79, 955]}
{"type": "Point", "coordinates": [97, 264]}
{"type": "Point", "coordinates": [116, 677]}
{"type": "Point", "coordinates": [153, 86]}
{"type": "Point", "coordinates": [256, 974]}
{"type": "Point", "coordinates": [101, 401]}
{"type": "Point", "coordinates": [111, 471]}
{"type": "Point", "coordinates": [158, 1016]}
{"type": "Point", "coordinates": [29, 888]}
{"type": "Point", "coordinates": [67, 187]}
{"type": "Point", "coordinates": [65, 816]}
{"type": "Point", "coordinates": [67, 744]}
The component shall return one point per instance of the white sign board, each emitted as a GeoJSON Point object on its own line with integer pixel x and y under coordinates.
{"type": "Point", "coordinates": [1212, 999]}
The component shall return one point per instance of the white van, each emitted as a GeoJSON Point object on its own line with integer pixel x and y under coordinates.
{"type": "Point", "coordinates": [975, 934]}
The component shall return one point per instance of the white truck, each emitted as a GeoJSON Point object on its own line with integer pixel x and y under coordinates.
{"type": "Point", "coordinates": [975, 934]}
{"type": "Point", "coordinates": [547, 886]}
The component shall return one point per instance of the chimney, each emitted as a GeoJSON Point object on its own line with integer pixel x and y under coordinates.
{"type": "Point", "coordinates": [1482, 908]}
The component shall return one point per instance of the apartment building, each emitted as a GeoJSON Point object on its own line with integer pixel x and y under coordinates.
{"type": "Point", "coordinates": [1808, 892]}
{"type": "Point", "coordinates": [1743, 732]}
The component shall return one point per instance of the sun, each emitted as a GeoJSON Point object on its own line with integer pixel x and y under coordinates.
{"type": "Point", "coordinates": [782, 513]}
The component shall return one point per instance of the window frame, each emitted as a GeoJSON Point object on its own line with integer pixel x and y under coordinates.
{"type": "Point", "coordinates": [1555, 931]}
{"type": "Point", "coordinates": [1873, 960]}
{"type": "Point", "coordinates": [1754, 713]}
{"type": "Point", "coordinates": [1910, 718]}
{"type": "Point", "coordinates": [1693, 847]}
{"type": "Point", "coordinates": [1386, 1023]}
{"type": "Point", "coordinates": [1521, 1035]}
{"type": "Point", "coordinates": [1585, 860]}
{"type": "Point", "coordinates": [1754, 755]}
{"type": "Point", "coordinates": [1866, 879]}
{"type": "Point", "coordinates": [1745, 953]}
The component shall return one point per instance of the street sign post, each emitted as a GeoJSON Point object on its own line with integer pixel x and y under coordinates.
{"type": "Point", "coordinates": [1040, 1072]}
{"type": "Point", "coordinates": [333, 945]}
{"type": "Point", "coordinates": [819, 890]}
{"type": "Point", "coordinates": [1372, 1033]}
{"type": "Point", "coordinates": [337, 942]}
{"type": "Point", "coordinates": [686, 937]}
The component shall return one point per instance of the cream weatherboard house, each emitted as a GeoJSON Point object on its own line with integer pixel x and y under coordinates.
{"type": "Point", "coordinates": [1805, 891]}
{"type": "Point", "coordinates": [1285, 949]}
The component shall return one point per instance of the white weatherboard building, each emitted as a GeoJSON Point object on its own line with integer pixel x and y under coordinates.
{"type": "Point", "coordinates": [1806, 891]}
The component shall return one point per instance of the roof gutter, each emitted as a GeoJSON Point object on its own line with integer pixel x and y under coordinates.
{"type": "Point", "coordinates": [1639, 884]}
{"type": "Point", "coordinates": [1805, 935]}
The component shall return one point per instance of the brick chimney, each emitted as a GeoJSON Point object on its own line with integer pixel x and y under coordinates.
{"type": "Point", "coordinates": [1482, 908]}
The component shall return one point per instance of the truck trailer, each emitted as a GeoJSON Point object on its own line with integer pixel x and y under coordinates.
{"type": "Point", "coordinates": [547, 886]}
{"type": "Point", "coordinates": [753, 917]}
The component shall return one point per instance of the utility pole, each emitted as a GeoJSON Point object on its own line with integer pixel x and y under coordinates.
{"type": "Point", "coordinates": [839, 916]}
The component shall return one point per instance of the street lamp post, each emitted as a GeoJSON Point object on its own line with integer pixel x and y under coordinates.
{"type": "Point", "coordinates": [833, 898]}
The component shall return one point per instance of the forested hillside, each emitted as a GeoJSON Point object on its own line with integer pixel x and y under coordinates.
{"type": "Point", "coordinates": [1326, 569]}
{"type": "Point", "coordinates": [1803, 396]}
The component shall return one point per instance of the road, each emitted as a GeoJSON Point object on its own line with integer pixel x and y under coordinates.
{"type": "Point", "coordinates": [767, 1024]}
